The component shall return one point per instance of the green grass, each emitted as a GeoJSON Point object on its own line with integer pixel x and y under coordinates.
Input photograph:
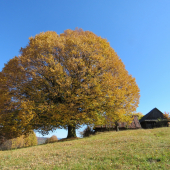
{"type": "Point", "coordinates": [132, 149]}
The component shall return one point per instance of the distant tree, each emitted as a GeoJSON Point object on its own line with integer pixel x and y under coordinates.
{"type": "Point", "coordinates": [51, 139]}
{"type": "Point", "coordinates": [65, 81]}
{"type": "Point", "coordinates": [87, 132]}
{"type": "Point", "coordinates": [166, 115]}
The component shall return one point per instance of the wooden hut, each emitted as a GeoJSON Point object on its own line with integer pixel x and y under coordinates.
{"type": "Point", "coordinates": [153, 119]}
{"type": "Point", "coordinates": [122, 125]}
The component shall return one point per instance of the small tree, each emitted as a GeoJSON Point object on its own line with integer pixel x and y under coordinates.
{"type": "Point", "coordinates": [30, 140]}
{"type": "Point", "coordinates": [51, 139]}
{"type": "Point", "coordinates": [87, 132]}
{"type": "Point", "coordinates": [166, 115]}
{"type": "Point", "coordinates": [19, 142]}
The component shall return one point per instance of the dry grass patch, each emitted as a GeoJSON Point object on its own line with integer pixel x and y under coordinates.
{"type": "Point", "coordinates": [135, 149]}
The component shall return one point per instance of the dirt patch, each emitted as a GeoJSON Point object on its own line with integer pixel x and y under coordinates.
{"type": "Point", "coordinates": [152, 160]}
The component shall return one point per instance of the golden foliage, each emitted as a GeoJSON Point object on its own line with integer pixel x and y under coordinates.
{"type": "Point", "coordinates": [166, 115]}
{"type": "Point", "coordinates": [51, 139]}
{"type": "Point", "coordinates": [20, 142]}
{"type": "Point", "coordinates": [66, 80]}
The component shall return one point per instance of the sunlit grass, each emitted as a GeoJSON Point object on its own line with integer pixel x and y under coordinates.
{"type": "Point", "coordinates": [132, 149]}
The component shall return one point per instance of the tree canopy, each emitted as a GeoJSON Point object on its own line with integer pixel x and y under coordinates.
{"type": "Point", "coordinates": [65, 81]}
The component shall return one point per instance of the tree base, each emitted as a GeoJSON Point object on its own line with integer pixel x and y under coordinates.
{"type": "Point", "coordinates": [71, 132]}
{"type": "Point", "coordinates": [117, 128]}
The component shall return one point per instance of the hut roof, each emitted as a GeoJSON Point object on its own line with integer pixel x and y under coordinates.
{"type": "Point", "coordinates": [153, 115]}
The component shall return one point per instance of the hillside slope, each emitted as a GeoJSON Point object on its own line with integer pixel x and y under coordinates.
{"type": "Point", "coordinates": [131, 149]}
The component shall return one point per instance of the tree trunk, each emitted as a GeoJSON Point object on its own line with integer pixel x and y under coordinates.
{"type": "Point", "coordinates": [117, 127]}
{"type": "Point", "coordinates": [71, 131]}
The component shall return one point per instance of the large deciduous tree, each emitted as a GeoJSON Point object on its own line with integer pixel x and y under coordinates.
{"type": "Point", "coordinates": [67, 80]}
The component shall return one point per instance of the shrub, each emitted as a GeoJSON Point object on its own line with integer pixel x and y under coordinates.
{"type": "Point", "coordinates": [30, 140]}
{"type": "Point", "coordinates": [20, 142]}
{"type": "Point", "coordinates": [51, 139]}
{"type": "Point", "coordinates": [87, 132]}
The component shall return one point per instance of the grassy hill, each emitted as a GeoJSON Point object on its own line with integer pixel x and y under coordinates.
{"type": "Point", "coordinates": [131, 149]}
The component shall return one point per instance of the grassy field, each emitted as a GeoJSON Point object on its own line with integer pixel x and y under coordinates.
{"type": "Point", "coordinates": [133, 149]}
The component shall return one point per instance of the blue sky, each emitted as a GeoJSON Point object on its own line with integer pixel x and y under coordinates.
{"type": "Point", "coordinates": [139, 31]}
